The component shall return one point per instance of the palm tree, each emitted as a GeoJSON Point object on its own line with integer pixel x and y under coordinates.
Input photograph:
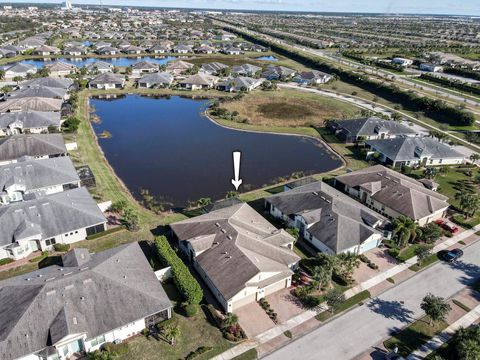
{"type": "Point", "coordinates": [172, 332]}
{"type": "Point", "coordinates": [469, 204]}
{"type": "Point", "coordinates": [2, 74]}
{"type": "Point", "coordinates": [229, 320]}
{"type": "Point", "coordinates": [322, 276]}
{"type": "Point", "coordinates": [404, 230]}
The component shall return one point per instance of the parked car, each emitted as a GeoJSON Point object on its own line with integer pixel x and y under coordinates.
{"type": "Point", "coordinates": [452, 255]}
{"type": "Point", "coordinates": [447, 225]}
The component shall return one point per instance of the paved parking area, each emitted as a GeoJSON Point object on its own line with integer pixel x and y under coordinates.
{"type": "Point", "coordinates": [285, 304]}
{"type": "Point", "coordinates": [253, 319]}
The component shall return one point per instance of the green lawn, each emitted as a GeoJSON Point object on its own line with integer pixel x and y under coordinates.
{"type": "Point", "coordinates": [427, 262]}
{"type": "Point", "coordinates": [195, 332]}
{"type": "Point", "coordinates": [347, 304]}
{"type": "Point", "coordinates": [251, 354]}
{"type": "Point", "coordinates": [413, 336]}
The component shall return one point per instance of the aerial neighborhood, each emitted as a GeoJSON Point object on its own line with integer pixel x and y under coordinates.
{"type": "Point", "coordinates": [199, 184]}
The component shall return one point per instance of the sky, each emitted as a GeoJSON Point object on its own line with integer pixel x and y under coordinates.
{"type": "Point", "coordinates": [459, 7]}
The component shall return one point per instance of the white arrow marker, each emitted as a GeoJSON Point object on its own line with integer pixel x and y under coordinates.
{"type": "Point", "coordinates": [236, 169]}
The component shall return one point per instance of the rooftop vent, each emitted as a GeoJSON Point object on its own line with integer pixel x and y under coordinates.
{"type": "Point", "coordinates": [223, 231]}
{"type": "Point", "coordinates": [217, 224]}
{"type": "Point", "coordinates": [229, 237]}
{"type": "Point", "coordinates": [314, 193]}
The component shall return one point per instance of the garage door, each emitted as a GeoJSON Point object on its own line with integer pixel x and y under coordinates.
{"type": "Point", "coordinates": [245, 301]}
{"type": "Point", "coordinates": [369, 245]}
{"type": "Point", "coordinates": [275, 287]}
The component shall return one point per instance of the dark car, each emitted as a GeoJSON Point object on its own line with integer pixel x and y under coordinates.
{"type": "Point", "coordinates": [452, 255]}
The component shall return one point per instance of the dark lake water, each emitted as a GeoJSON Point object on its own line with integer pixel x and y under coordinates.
{"type": "Point", "coordinates": [121, 61]}
{"type": "Point", "coordinates": [168, 147]}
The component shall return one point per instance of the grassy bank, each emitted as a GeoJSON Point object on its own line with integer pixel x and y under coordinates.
{"type": "Point", "coordinates": [289, 108]}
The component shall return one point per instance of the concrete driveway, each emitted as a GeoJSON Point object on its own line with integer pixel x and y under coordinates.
{"type": "Point", "coordinates": [285, 304]}
{"type": "Point", "coordinates": [360, 329]}
{"type": "Point", "coordinates": [253, 319]}
{"type": "Point", "coordinates": [379, 257]}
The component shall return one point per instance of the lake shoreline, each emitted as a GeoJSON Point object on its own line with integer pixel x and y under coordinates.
{"type": "Point", "coordinates": [318, 141]}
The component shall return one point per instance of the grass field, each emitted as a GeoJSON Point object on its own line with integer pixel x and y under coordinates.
{"type": "Point", "coordinates": [195, 332]}
{"type": "Point", "coordinates": [414, 335]}
{"type": "Point", "coordinates": [289, 108]}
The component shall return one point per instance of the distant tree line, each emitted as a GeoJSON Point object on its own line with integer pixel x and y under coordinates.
{"type": "Point", "coordinates": [436, 109]}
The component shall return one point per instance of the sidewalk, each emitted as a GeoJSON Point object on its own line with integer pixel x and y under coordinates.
{"type": "Point", "coordinates": [309, 314]}
{"type": "Point", "coordinates": [436, 342]}
{"type": "Point", "coordinates": [368, 284]}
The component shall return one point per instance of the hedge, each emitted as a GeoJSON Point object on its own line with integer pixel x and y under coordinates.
{"type": "Point", "coordinates": [186, 284]}
{"type": "Point", "coordinates": [463, 86]}
{"type": "Point", "coordinates": [6, 261]}
{"type": "Point", "coordinates": [436, 109]}
{"type": "Point", "coordinates": [61, 247]}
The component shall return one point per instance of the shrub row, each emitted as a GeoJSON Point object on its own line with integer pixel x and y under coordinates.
{"type": "Point", "coordinates": [270, 312]}
{"type": "Point", "coordinates": [6, 261]}
{"type": "Point", "coordinates": [436, 109]}
{"type": "Point", "coordinates": [452, 83]}
{"type": "Point", "coordinates": [61, 247]}
{"type": "Point", "coordinates": [186, 284]}
{"type": "Point", "coordinates": [201, 350]}
{"type": "Point", "coordinates": [463, 72]}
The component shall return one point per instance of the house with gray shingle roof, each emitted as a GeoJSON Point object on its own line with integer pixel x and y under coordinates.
{"type": "Point", "coordinates": [155, 80]}
{"type": "Point", "coordinates": [99, 67]}
{"type": "Point", "coordinates": [39, 92]}
{"type": "Point", "coordinates": [61, 69]}
{"type": "Point", "coordinates": [39, 222]}
{"type": "Point", "coordinates": [51, 82]}
{"type": "Point", "coordinates": [35, 122]}
{"type": "Point", "coordinates": [47, 176]}
{"type": "Point", "coordinates": [79, 304]}
{"type": "Point", "coordinates": [246, 70]}
{"type": "Point", "coordinates": [312, 77]}
{"type": "Point", "coordinates": [19, 69]}
{"type": "Point", "coordinates": [277, 72]}
{"type": "Point", "coordinates": [369, 128]}
{"type": "Point", "coordinates": [198, 81]}
{"type": "Point", "coordinates": [240, 83]}
{"type": "Point", "coordinates": [240, 255]}
{"type": "Point", "coordinates": [409, 151]}
{"type": "Point", "coordinates": [37, 146]}
{"type": "Point", "coordinates": [31, 103]}
{"type": "Point", "coordinates": [392, 194]}
{"type": "Point", "coordinates": [329, 220]}
{"type": "Point", "coordinates": [213, 68]}
{"type": "Point", "coordinates": [143, 67]}
{"type": "Point", "coordinates": [107, 81]}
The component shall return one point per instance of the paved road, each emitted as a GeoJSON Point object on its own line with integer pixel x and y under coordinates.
{"type": "Point", "coordinates": [361, 329]}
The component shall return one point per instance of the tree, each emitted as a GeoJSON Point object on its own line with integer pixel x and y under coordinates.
{"type": "Point", "coordinates": [231, 194]}
{"type": "Point", "coordinates": [345, 265]}
{"type": "Point", "coordinates": [2, 74]}
{"type": "Point", "coordinates": [71, 124]}
{"type": "Point", "coordinates": [430, 233]}
{"type": "Point", "coordinates": [334, 298]}
{"type": "Point", "coordinates": [430, 172]}
{"type": "Point", "coordinates": [294, 232]}
{"type": "Point", "coordinates": [469, 204]}
{"type": "Point", "coordinates": [172, 332]}
{"type": "Point", "coordinates": [322, 276]}
{"type": "Point", "coordinates": [435, 307]}
{"type": "Point", "coordinates": [404, 230]}
{"type": "Point", "coordinates": [423, 252]}
{"type": "Point", "coordinates": [466, 343]}
{"type": "Point", "coordinates": [204, 202]}
{"type": "Point", "coordinates": [473, 157]}
{"type": "Point", "coordinates": [130, 217]}
{"type": "Point", "coordinates": [119, 206]}
{"type": "Point", "coordinates": [17, 79]}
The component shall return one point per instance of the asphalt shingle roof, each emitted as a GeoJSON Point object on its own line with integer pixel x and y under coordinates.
{"type": "Point", "coordinates": [108, 290]}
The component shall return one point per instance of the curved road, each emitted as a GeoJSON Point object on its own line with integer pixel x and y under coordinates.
{"type": "Point", "coordinates": [384, 109]}
{"type": "Point", "coordinates": [362, 328]}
